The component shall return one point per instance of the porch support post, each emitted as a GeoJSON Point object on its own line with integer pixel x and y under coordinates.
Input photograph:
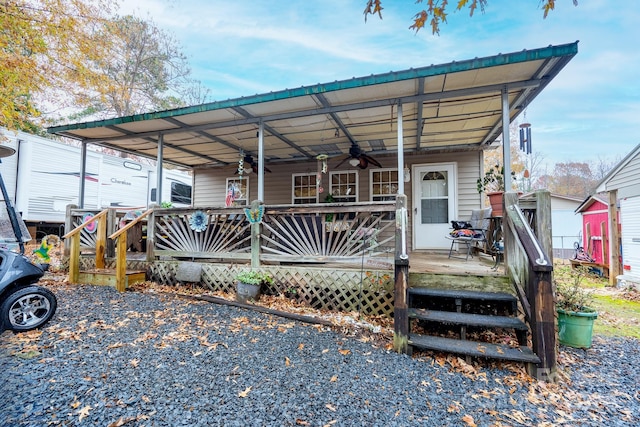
{"type": "Point", "coordinates": [83, 173]}
{"type": "Point", "coordinates": [615, 268]}
{"type": "Point", "coordinates": [159, 170]}
{"type": "Point", "coordinates": [400, 151]}
{"type": "Point", "coordinates": [261, 161]}
{"type": "Point", "coordinates": [506, 140]}
{"type": "Point", "coordinates": [400, 308]}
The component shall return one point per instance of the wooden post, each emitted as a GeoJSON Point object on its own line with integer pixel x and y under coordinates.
{"type": "Point", "coordinates": [101, 240]}
{"type": "Point", "coordinates": [543, 327]}
{"type": "Point", "coordinates": [112, 226]}
{"type": "Point", "coordinates": [151, 236]}
{"type": "Point", "coordinates": [121, 262]}
{"type": "Point", "coordinates": [400, 309]}
{"type": "Point", "coordinates": [74, 258]}
{"type": "Point", "coordinates": [68, 226]}
{"type": "Point", "coordinates": [509, 199]}
{"type": "Point", "coordinates": [615, 266]}
{"type": "Point", "coordinates": [543, 222]}
{"type": "Point", "coordinates": [255, 244]}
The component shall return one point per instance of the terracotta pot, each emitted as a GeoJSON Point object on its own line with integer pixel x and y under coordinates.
{"type": "Point", "coordinates": [495, 199]}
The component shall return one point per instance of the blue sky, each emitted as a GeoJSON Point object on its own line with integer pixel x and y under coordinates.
{"type": "Point", "coordinates": [590, 111]}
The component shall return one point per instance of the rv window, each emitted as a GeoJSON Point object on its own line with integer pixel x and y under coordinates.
{"type": "Point", "coordinates": [180, 193]}
{"type": "Point", "coordinates": [153, 194]}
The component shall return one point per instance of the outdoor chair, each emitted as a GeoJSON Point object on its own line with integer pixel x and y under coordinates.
{"type": "Point", "coordinates": [470, 233]}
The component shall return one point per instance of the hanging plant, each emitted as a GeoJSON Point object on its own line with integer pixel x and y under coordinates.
{"type": "Point", "coordinates": [198, 221]}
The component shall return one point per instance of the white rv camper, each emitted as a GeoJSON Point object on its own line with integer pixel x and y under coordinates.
{"type": "Point", "coordinates": [43, 177]}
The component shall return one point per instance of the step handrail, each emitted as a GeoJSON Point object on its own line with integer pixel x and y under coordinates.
{"type": "Point", "coordinates": [74, 236]}
{"type": "Point", "coordinates": [131, 224]}
{"type": "Point", "coordinates": [121, 250]}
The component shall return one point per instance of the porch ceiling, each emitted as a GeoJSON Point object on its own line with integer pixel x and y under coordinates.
{"type": "Point", "coordinates": [455, 106]}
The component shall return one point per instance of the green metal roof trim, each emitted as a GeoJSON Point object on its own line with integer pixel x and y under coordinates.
{"type": "Point", "coordinates": [570, 49]}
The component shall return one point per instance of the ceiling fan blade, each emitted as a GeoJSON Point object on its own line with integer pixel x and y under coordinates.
{"type": "Point", "coordinates": [347, 157]}
{"type": "Point", "coordinates": [371, 160]}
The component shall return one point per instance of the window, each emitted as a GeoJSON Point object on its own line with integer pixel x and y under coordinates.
{"type": "Point", "coordinates": [241, 193]}
{"type": "Point", "coordinates": [344, 186]}
{"type": "Point", "coordinates": [180, 193]}
{"type": "Point", "coordinates": [384, 184]}
{"type": "Point", "coordinates": [304, 189]}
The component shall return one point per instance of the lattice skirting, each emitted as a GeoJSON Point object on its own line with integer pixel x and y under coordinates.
{"type": "Point", "coordinates": [368, 291]}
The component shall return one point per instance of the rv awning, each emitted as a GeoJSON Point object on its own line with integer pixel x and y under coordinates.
{"type": "Point", "coordinates": [448, 107]}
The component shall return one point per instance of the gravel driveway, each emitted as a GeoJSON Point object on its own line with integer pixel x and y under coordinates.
{"type": "Point", "coordinates": [145, 359]}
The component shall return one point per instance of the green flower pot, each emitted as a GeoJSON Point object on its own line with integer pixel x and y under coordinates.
{"type": "Point", "coordinates": [575, 329]}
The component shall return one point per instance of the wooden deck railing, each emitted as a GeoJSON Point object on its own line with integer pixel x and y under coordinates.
{"type": "Point", "coordinates": [286, 233]}
{"type": "Point", "coordinates": [530, 267]}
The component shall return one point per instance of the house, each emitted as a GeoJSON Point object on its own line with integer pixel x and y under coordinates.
{"type": "Point", "coordinates": [595, 228]}
{"type": "Point", "coordinates": [566, 224]}
{"type": "Point", "coordinates": [399, 155]}
{"type": "Point", "coordinates": [622, 184]}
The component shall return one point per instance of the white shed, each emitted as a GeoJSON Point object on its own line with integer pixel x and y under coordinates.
{"type": "Point", "coordinates": [623, 186]}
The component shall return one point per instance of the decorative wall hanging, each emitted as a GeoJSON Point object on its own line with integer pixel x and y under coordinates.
{"type": "Point", "coordinates": [198, 221]}
{"type": "Point", "coordinates": [255, 213]}
{"type": "Point", "coordinates": [233, 192]}
{"type": "Point", "coordinates": [91, 228]}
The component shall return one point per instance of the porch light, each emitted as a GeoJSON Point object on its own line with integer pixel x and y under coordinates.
{"type": "Point", "coordinates": [407, 173]}
{"type": "Point", "coordinates": [354, 162]}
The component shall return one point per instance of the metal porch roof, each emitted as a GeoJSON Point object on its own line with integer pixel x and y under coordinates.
{"type": "Point", "coordinates": [454, 106]}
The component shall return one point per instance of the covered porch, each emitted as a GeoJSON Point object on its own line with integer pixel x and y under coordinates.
{"type": "Point", "coordinates": [399, 154]}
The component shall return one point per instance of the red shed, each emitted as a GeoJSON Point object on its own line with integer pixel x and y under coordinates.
{"type": "Point", "coordinates": [595, 229]}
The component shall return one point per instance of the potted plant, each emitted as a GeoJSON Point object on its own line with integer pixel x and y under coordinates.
{"type": "Point", "coordinates": [249, 284]}
{"type": "Point", "coordinates": [492, 183]}
{"type": "Point", "coordinates": [575, 316]}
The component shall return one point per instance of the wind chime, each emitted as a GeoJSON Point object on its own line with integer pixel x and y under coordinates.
{"type": "Point", "coordinates": [322, 168]}
{"type": "Point", "coordinates": [525, 137]}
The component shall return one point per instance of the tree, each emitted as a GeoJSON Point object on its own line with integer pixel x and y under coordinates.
{"type": "Point", "coordinates": [72, 58]}
{"type": "Point", "coordinates": [436, 11]}
{"type": "Point", "coordinates": [145, 71]}
{"type": "Point", "coordinates": [44, 44]}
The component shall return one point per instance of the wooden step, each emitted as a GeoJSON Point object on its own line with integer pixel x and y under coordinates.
{"type": "Point", "coordinates": [462, 294]}
{"type": "Point", "coordinates": [107, 277]}
{"type": "Point", "coordinates": [468, 319]}
{"type": "Point", "coordinates": [473, 348]}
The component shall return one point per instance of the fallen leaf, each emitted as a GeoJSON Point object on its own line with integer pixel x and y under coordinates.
{"type": "Point", "coordinates": [302, 422]}
{"type": "Point", "coordinates": [469, 420]}
{"type": "Point", "coordinates": [300, 346]}
{"type": "Point", "coordinates": [330, 423]}
{"type": "Point", "coordinates": [84, 412]}
{"type": "Point", "coordinates": [330, 407]}
{"type": "Point", "coordinates": [245, 393]}
{"type": "Point", "coordinates": [334, 379]}
{"type": "Point", "coordinates": [326, 350]}
{"type": "Point", "coordinates": [134, 362]}
{"type": "Point", "coordinates": [287, 362]}
{"type": "Point", "coordinates": [344, 352]}
{"type": "Point", "coordinates": [75, 404]}
{"type": "Point", "coordinates": [122, 421]}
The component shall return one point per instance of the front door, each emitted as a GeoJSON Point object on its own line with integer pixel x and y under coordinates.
{"type": "Point", "coordinates": [434, 204]}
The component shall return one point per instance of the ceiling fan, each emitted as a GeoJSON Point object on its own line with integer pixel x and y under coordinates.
{"type": "Point", "coordinates": [359, 158]}
{"type": "Point", "coordinates": [248, 160]}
